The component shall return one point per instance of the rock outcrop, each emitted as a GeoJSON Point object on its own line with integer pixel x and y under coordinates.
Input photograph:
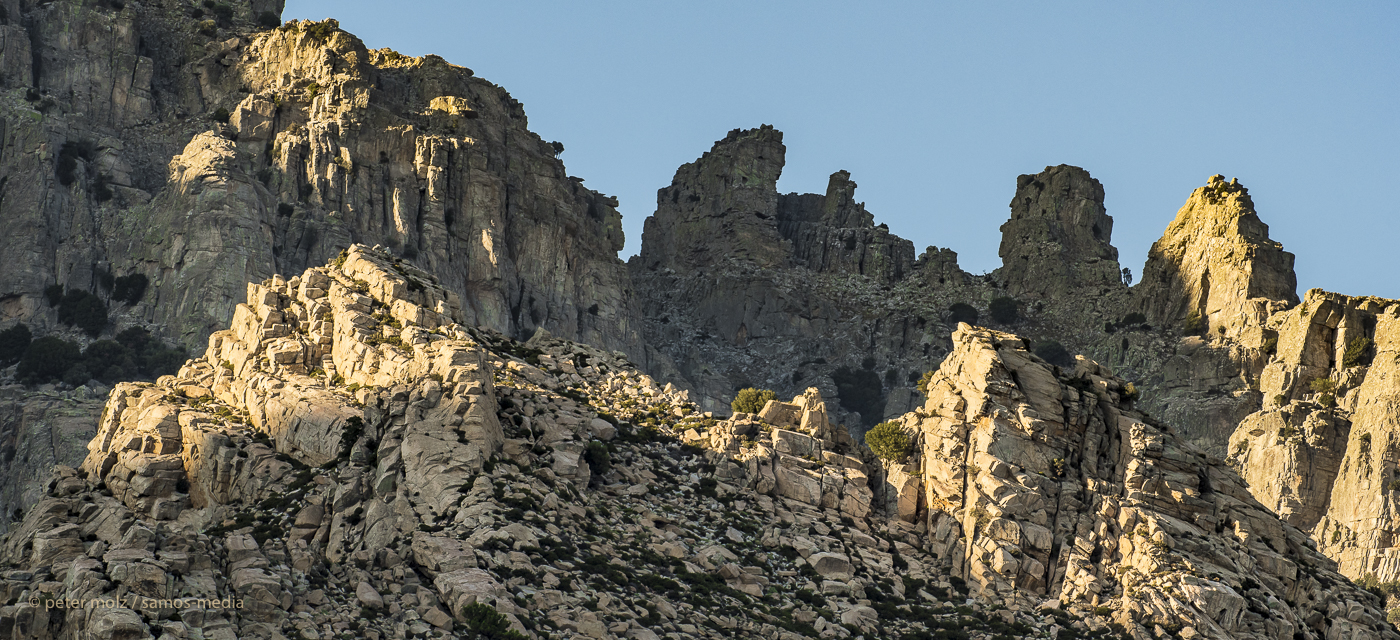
{"type": "Point", "coordinates": [269, 151]}
{"type": "Point", "coordinates": [796, 454]}
{"type": "Point", "coordinates": [348, 458]}
{"type": "Point", "coordinates": [1046, 481]}
{"type": "Point", "coordinates": [37, 431]}
{"type": "Point", "coordinates": [1321, 451]}
{"type": "Point", "coordinates": [1211, 282]}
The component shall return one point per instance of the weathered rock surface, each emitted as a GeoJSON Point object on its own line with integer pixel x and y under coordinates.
{"type": "Point", "coordinates": [1046, 481]}
{"type": "Point", "coordinates": [37, 431]}
{"type": "Point", "coordinates": [1321, 451]}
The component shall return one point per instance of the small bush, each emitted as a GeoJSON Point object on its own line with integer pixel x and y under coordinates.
{"type": "Point", "coordinates": [923, 382]}
{"type": "Point", "coordinates": [1130, 392]}
{"type": "Point", "coordinates": [1270, 345]}
{"type": "Point", "coordinates": [69, 155]}
{"type": "Point", "coordinates": [1132, 319]}
{"type": "Point", "coordinates": [223, 11]}
{"type": "Point", "coordinates": [962, 312]}
{"type": "Point", "coordinates": [1357, 349]}
{"type": "Point", "coordinates": [54, 294]}
{"type": "Point", "coordinates": [1054, 353]}
{"type": "Point", "coordinates": [1003, 311]}
{"type": "Point", "coordinates": [207, 27]}
{"type": "Point", "coordinates": [890, 441]}
{"type": "Point", "coordinates": [221, 115]}
{"type": "Point", "coordinates": [751, 400]}
{"type": "Point", "coordinates": [13, 343]}
{"type": "Point", "coordinates": [487, 623]}
{"type": "Point", "coordinates": [1323, 385]}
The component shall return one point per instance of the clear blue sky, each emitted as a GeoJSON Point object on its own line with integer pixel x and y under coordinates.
{"type": "Point", "coordinates": [935, 109]}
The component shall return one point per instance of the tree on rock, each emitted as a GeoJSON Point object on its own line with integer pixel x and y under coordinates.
{"type": "Point", "coordinates": [890, 441]}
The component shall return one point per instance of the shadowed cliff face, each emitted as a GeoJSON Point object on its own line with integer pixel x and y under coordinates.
{"type": "Point", "coordinates": [742, 286]}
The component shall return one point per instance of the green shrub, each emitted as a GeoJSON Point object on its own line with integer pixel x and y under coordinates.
{"type": "Point", "coordinates": [751, 400]}
{"type": "Point", "coordinates": [221, 115]}
{"type": "Point", "coordinates": [47, 359]}
{"type": "Point", "coordinates": [1054, 353]}
{"type": "Point", "coordinates": [890, 441]}
{"type": "Point", "coordinates": [1270, 345]}
{"type": "Point", "coordinates": [1132, 319]}
{"type": "Point", "coordinates": [962, 312]}
{"type": "Point", "coordinates": [1193, 325]}
{"type": "Point", "coordinates": [13, 342]}
{"type": "Point", "coordinates": [1003, 311]}
{"type": "Point", "coordinates": [54, 294]}
{"type": "Point", "coordinates": [859, 390]}
{"type": "Point", "coordinates": [1323, 385]}
{"type": "Point", "coordinates": [487, 623]}
{"type": "Point", "coordinates": [207, 27]}
{"type": "Point", "coordinates": [130, 288]}
{"type": "Point", "coordinates": [923, 382]}
{"type": "Point", "coordinates": [76, 375]}
{"type": "Point", "coordinates": [598, 457]}
{"type": "Point", "coordinates": [84, 310]}
{"type": "Point", "coordinates": [69, 155]}
{"type": "Point", "coordinates": [1356, 352]}
{"type": "Point", "coordinates": [1130, 392]}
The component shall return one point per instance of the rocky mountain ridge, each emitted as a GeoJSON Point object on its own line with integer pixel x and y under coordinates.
{"type": "Point", "coordinates": [205, 147]}
{"type": "Point", "coordinates": [347, 458]}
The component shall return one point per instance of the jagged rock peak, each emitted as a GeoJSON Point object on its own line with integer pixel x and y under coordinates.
{"type": "Point", "coordinates": [725, 206]}
{"type": "Point", "coordinates": [1058, 237]}
{"type": "Point", "coordinates": [720, 206]}
{"type": "Point", "coordinates": [1216, 261]}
